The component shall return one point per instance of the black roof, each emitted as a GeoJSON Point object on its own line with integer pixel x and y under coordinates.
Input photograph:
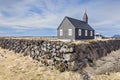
{"type": "Point", "coordinates": [79, 24]}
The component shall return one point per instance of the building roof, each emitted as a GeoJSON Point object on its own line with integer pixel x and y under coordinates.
{"type": "Point", "coordinates": [79, 24]}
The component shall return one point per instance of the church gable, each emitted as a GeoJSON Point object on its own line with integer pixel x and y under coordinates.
{"type": "Point", "coordinates": [65, 23]}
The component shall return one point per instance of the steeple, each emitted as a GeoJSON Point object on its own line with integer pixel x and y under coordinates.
{"type": "Point", "coordinates": [85, 17]}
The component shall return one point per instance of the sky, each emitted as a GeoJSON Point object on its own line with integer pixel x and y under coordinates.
{"type": "Point", "coordinates": [42, 17]}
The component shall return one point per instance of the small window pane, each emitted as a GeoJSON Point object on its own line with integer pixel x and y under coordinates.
{"type": "Point", "coordinates": [70, 32]}
{"type": "Point", "coordinates": [79, 32]}
{"type": "Point", "coordinates": [61, 32]}
{"type": "Point", "coordinates": [86, 33]}
{"type": "Point", "coordinates": [91, 33]}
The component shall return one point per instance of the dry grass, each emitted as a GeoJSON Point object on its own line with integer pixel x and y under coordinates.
{"type": "Point", "coordinates": [106, 68]}
{"type": "Point", "coordinates": [16, 67]}
{"type": "Point", "coordinates": [111, 76]}
{"type": "Point", "coordinates": [87, 41]}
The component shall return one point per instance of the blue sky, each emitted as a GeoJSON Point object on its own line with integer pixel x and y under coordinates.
{"type": "Point", "coordinates": [42, 17]}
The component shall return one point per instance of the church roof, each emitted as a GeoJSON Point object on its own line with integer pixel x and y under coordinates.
{"type": "Point", "coordinates": [79, 24]}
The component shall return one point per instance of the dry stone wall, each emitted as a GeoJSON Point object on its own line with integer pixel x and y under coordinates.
{"type": "Point", "coordinates": [60, 55]}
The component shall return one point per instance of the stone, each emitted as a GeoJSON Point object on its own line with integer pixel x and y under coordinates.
{"type": "Point", "coordinates": [60, 55]}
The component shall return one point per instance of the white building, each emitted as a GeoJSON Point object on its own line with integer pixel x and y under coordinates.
{"type": "Point", "coordinates": [98, 36]}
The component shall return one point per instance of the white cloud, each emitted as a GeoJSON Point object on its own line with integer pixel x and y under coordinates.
{"type": "Point", "coordinates": [26, 14]}
{"type": "Point", "coordinates": [2, 32]}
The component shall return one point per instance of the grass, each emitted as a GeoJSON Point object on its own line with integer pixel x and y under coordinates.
{"type": "Point", "coordinates": [111, 76]}
{"type": "Point", "coordinates": [16, 67]}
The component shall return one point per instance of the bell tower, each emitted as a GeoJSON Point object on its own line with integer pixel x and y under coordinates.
{"type": "Point", "coordinates": [85, 17]}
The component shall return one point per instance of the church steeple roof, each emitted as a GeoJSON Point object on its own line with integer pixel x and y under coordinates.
{"type": "Point", "coordinates": [85, 17]}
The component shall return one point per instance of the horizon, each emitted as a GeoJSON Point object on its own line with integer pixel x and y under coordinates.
{"type": "Point", "coordinates": [42, 18]}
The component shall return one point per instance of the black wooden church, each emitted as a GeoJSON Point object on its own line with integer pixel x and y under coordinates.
{"type": "Point", "coordinates": [74, 29]}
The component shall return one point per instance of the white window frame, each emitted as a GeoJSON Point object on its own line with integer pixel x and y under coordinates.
{"type": "Point", "coordinates": [79, 32]}
{"type": "Point", "coordinates": [86, 32]}
{"type": "Point", "coordinates": [61, 32]}
{"type": "Point", "coordinates": [70, 32]}
{"type": "Point", "coordinates": [91, 33]}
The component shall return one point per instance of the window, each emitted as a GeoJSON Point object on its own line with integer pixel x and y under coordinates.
{"type": "Point", "coordinates": [91, 33]}
{"type": "Point", "coordinates": [79, 32]}
{"type": "Point", "coordinates": [70, 32]}
{"type": "Point", "coordinates": [61, 32]}
{"type": "Point", "coordinates": [86, 33]}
